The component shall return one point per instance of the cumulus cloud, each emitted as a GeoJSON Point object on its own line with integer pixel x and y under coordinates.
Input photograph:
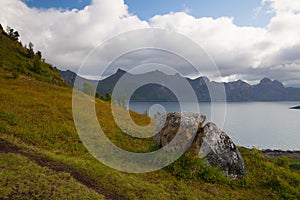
{"type": "Point", "coordinates": [283, 6]}
{"type": "Point", "coordinates": [66, 36]}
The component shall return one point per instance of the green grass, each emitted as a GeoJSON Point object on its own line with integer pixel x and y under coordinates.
{"type": "Point", "coordinates": [24, 179]}
{"type": "Point", "coordinates": [42, 156]}
{"type": "Point", "coordinates": [37, 118]}
{"type": "Point", "coordinates": [14, 58]}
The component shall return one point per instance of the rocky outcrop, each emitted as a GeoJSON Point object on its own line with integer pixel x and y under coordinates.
{"type": "Point", "coordinates": [209, 141]}
{"type": "Point", "coordinates": [170, 125]}
{"type": "Point", "coordinates": [295, 108]}
{"type": "Point", "coordinates": [219, 150]}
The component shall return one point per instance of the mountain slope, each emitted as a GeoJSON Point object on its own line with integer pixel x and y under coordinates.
{"type": "Point", "coordinates": [20, 60]}
{"type": "Point", "coordinates": [237, 91]}
{"type": "Point", "coordinates": [39, 123]}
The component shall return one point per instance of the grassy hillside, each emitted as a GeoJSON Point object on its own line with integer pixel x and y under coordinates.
{"type": "Point", "coordinates": [39, 143]}
{"type": "Point", "coordinates": [42, 157]}
{"type": "Point", "coordinates": [20, 60]}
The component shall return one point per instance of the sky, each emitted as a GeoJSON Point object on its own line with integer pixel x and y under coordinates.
{"type": "Point", "coordinates": [249, 12]}
{"type": "Point", "coordinates": [246, 14]}
{"type": "Point", "coordinates": [58, 4]}
{"type": "Point", "coordinates": [247, 40]}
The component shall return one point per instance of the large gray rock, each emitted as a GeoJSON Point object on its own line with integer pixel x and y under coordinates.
{"type": "Point", "coordinates": [184, 125]}
{"type": "Point", "coordinates": [219, 150]}
{"type": "Point", "coordinates": [207, 142]}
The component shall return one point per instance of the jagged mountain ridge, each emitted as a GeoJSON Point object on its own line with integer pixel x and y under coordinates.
{"type": "Point", "coordinates": [237, 91]}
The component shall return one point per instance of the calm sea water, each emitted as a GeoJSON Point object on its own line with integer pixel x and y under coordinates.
{"type": "Point", "coordinates": [257, 124]}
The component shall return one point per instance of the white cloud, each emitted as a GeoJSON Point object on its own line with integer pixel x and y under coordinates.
{"type": "Point", "coordinates": [256, 12]}
{"type": "Point", "coordinates": [280, 6]}
{"type": "Point", "coordinates": [186, 9]}
{"type": "Point", "coordinates": [66, 36]}
{"type": "Point", "coordinates": [229, 45]}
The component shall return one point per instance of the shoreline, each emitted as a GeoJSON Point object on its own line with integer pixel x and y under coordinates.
{"type": "Point", "coordinates": [295, 108]}
{"type": "Point", "coordinates": [278, 152]}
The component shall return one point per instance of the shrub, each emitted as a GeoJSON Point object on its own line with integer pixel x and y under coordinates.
{"type": "Point", "coordinates": [282, 161]}
{"type": "Point", "coordinates": [190, 167]}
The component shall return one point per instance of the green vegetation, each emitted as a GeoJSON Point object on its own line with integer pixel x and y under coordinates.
{"type": "Point", "coordinates": [14, 35]}
{"type": "Point", "coordinates": [42, 157]}
{"type": "Point", "coordinates": [24, 179]}
{"type": "Point", "coordinates": [21, 60]}
{"type": "Point", "coordinates": [293, 162]}
{"type": "Point", "coordinates": [36, 117]}
{"type": "Point", "coordinates": [191, 168]}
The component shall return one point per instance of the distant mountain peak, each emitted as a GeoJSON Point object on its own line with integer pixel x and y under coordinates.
{"type": "Point", "coordinates": [265, 80]}
{"type": "Point", "coordinates": [121, 71]}
{"type": "Point", "coordinates": [266, 90]}
{"type": "Point", "coordinates": [205, 79]}
{"type": "Point", "coordinates": [278, 83]}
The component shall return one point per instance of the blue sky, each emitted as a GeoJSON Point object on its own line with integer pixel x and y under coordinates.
{"type": "Point", "coordinates": [64, 4]}
{"type": "Point", "coordinates": [243, 12]}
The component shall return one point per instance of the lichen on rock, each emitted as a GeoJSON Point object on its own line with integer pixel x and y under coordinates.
{"type": "Point", "coordinates": [207, 141]}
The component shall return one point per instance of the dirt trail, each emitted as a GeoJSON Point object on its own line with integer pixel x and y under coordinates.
{"type": "Point", "coordinates": [41, 160]}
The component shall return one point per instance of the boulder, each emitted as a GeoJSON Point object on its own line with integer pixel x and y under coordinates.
{"type": "Point", "coordinates": [167, 126]}
{"type": "Point", "coordinates": [207, 141]}
{"type": "Point", "coordinates": [219, 150]}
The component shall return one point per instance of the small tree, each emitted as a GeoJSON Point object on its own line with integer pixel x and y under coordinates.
{"type": "Point", "coordinates": [146, 113]}
{"type": "Point", "coordinates": [16, 36]}
{"type": "Point", "coordinates": [30, 45]}
{"type": "Point", "coordinates": [30, 52]}
{"type": "Point", "coordinates": [108, 97]}
{"type": "Point", "coordinates": [39, 55]}
{"type": "Point", "coordinates": [8, 28]}
{"type": "Point", "coordinates": [12, 33]}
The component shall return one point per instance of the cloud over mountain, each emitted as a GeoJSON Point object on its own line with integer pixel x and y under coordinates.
{"type": "Point", "coordinates": [250, 53]}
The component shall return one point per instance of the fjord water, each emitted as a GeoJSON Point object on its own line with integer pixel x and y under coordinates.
{"type": "Point", "coordinates": [264, 125]}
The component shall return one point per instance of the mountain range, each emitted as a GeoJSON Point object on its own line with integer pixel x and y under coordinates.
{"type": "Point", "coordinates": [237, 91]}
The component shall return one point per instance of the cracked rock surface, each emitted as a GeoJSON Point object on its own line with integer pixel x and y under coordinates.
{"type": "Point", "coordinates": [208, 141]}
